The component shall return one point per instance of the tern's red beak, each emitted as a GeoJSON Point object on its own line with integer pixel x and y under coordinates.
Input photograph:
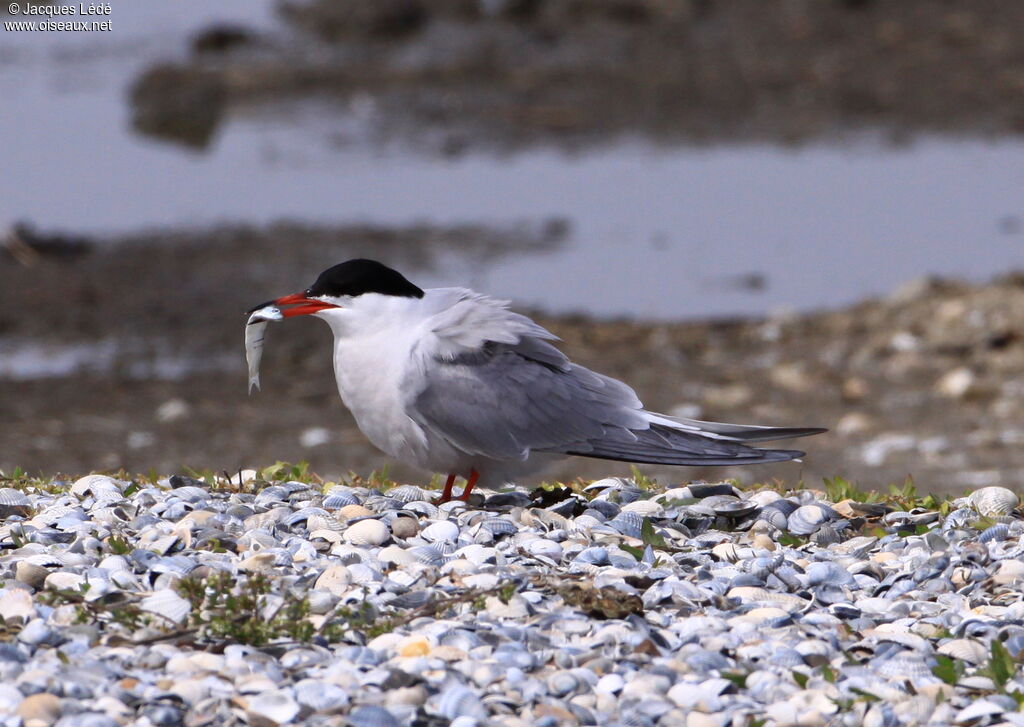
{"type": "Point", "coordinates": [299, 305]}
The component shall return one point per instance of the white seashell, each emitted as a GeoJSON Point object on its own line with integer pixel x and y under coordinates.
{"type": "Point", "coordinates": [609, 483]}
{"type": "Point", "coordinates": [546, 548]}
{"type": "Point", "coordinates": [990, 501]}
{"type": "Point", "coordinates": [904, 666]}
{"type": "Point", "coordinates": [64, 581]}
{"type": "Point", "coordinates": [16, 605]}
{"type": "Point", "coordinates": [440, 532]}
{"type": "Point", "coordinates": [318, 521]}
{"type": "Point", "coordinates": [763, 595]}
{"type": "Point", "coordinates": [277, 707]}
{"type": "Point", "coordinates": [367, 532]}
{"type": "Point", "coordinates": [764, 497]}
{"type": "Point", "coordinates": [967, 650]}
{"type": "Point", "coordinates": [363, 574]}
{"type": "Point", "coordinates": [14, 499]}
{"type": "Point", "coordinates": [408, 493]}
{"type": "Point", "coordinates": [322, 697]}
{"type": "Point", "coordinates": [96, 484]}
{"type": "Point", "coordinates": [978, 710]}
{"type": "Point", "coordinates": [643, 507]}
{"type": "Point", "coordinates": [167, 604]}
{"type": "Point", "coordinates": [335, 579]}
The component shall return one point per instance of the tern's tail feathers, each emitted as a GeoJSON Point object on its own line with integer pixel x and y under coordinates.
{"type": "Point", "coordinates": [734, 432]}
{"type": "Point", "coordinates": [685, 445]}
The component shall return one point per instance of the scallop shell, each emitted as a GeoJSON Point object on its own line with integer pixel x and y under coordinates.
{"type": "Point", "coordinates": [190, 493]}
{"type": "Point", "coordinates": [967, 650]}
{"type": "Point", "coordinates": [96, 484]}
{"type": "Point", "coordinates": [351, 512]}
{"type": "Point", "coordinates": [408, 493]}
{"type": "Point", "coordinates": [764, 566]}
{"type": "Point", "coordinates": [367, 532]}
{"type": "Point", "coordinates": [991, 501]}
{"type": "Point", "coordinates": [371, 716]}
{"type": "Point", "coordinates": [272, 495]}
{"type": "Point", "coordinates": [807, 519]}
{"type": "Point", "coordinates": [16, 604]}
{"type": "Point", "coordinates": [1000, 531]}
{"type": "Point", "coordinates": [904, 666]}
{"type": "Point", "coordinates": [167, 604]}
{"type": "Point", "coordinates": [777, 513]}
{"type": "Point", "coordinates": [9, 497]}
{"type": "Point", "coordinates": [628, 523]}
{"type": "Point", "coordinates": [828, 574]}
{"type": "Point", "coordinates": [459, 701]}
{"type": "Point", "coordinates": [428, 555]}
{"type": "Point", "coordinates": [500, 526]}
{"type": "Point", "coordinates": [827, 535]}
{"type": "Point", "coordinates": [338, 497]}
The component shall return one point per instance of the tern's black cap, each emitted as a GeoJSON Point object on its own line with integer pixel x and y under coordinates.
{"type": "Point", "coordinates": [355, 277]}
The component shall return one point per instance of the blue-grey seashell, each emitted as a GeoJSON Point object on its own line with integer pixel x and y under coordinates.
{"type": "Point", "coordinates": [1000, 531]}
{"type": "Point", "coordinates": [500, 526]}
{"type": "Point", "coordinates": [338, 497]}
{"type": "Point", "coordinates": [628, 523]}
{"type": "Point", "coordinates": [806, 519]}
{"type": "Point", "coordinates": [704, 660]}
{"type": "Point", "coordinates": [460, 701]}
{"type": "Point", "coordinates": [594, 555]}
{"type": "Point", "coordinates": [303, 514]}
{"type": "Point", "coordinates": [606, 508]}
{"type": "Point", "coordinates": [371, 716]}
{"type": "Point", "coordinates": [827, 573]}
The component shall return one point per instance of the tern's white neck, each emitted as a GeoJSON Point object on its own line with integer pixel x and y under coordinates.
{"type": "Point", "coordinates": [371, 315]}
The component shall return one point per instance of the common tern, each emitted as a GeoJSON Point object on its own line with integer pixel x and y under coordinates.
{"type": "Point", "coordinates": [451, 381]}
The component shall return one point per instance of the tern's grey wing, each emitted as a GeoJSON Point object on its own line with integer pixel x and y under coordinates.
{"type": "Point", "coordinates": [498, 403]}
{"type": "Point", "coordinates": [501, 404]}
{"type": "Point", "coordinates": [486, 380]}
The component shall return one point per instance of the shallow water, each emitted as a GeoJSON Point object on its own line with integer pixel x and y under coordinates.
{"type": "Point", "coordinates": [655, 232]}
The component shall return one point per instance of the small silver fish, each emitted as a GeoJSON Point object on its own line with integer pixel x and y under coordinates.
{"type": "Point", "coordinates": [255, 331]}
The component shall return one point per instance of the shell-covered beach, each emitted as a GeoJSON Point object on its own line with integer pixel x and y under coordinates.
{"type": "Point", "coordinates": [274, 598]}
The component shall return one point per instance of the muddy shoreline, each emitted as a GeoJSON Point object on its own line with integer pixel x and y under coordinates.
{"type": "Point", "coordinates": [459, 74]}
{"type": "Point", "coordinates": [923, 383]}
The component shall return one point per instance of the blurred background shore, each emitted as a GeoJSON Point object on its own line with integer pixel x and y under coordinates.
{"type": "Point", "coordinates": [791, 213]}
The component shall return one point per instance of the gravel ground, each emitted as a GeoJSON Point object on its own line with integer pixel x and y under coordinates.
{"type": "Point", "coordinates": [186, 602]}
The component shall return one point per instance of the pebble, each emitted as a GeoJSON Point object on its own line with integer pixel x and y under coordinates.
{"type": "Point", "coordinates": [508, 614]}
{"type": "Point", "coordinates": [39, 710]}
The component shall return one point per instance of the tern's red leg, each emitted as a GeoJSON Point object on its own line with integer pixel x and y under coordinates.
{"type": "Point", "coordinates": [447, 494]}
{"type": "Point", "coordinates": [473, 477]}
